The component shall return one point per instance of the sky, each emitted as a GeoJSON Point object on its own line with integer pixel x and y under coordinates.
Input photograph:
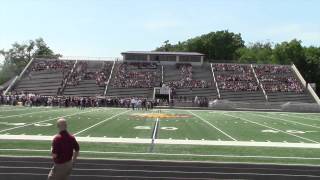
{"type": "Point", "coordinates": [105, 28]}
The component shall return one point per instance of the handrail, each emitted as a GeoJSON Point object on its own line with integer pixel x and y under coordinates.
{"type": "Point", "coordinates": [295, 69]}
{"type": "Point", "coordinates": [255, 75]}
{"type": "Point", "coordinates": [106, 88]}
{"type": "Point", "coordinates": [215, 81]}
{"type": "Point", "coordinates": [304, 83]}
{"type": "Point", "coordinates": [65, 81]}
{"type": "Point", "coordinates": [18, 77]}
{"type": "Point", "coordinates": [314, 95]}
{"type": "Point", "coordinates": [10, 85]}
{"type": "Point", "coordinates": [161, 74]}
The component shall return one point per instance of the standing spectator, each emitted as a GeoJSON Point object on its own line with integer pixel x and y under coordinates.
{"type": "Point", "coordinates": [65, 150]}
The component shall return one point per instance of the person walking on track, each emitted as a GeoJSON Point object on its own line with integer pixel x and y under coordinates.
{"type": "Point", "coordinates": [65, 150]}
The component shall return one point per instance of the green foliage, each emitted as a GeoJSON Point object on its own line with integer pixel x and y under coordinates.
{"type": "Point", "coordinates": [258, 52]}
{"type": "Point", "coordinates": [220, 45]}
{"type": "Point", "coordinates": [18, 56]}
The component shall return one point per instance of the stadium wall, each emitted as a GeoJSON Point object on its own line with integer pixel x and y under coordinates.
{"type": "Point", "coordinates": [304, 83]}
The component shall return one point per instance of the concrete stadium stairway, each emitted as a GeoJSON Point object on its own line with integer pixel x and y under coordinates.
{"type": "Point", "coordinates": [86, 87]}
{"type": "Point", "coordinates": [171, 73]}
{"type": "Point", "coordinates": [251, 96]}
{"type": "Point", "coordinates": [290, 97]}
{"type": "Point", "coordinates": [303, 97]}
{"type": "Point", "coordinates": [131, 92]}
{"type": "Point", "coordinates": [45, 82]}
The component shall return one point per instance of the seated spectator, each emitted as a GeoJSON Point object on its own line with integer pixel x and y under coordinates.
{"type": "Point", "coordinates": [235, 77]}
{"type": "Point", "coordinates": [186, 78]}
{"type": "Point", "coordinates": [277, 78]}
{"type": "Point", "coordinates": [136, 75]}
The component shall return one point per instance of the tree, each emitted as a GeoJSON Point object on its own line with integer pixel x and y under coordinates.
{"type": "Point", "coordinates": [258, 52]}
{"type": "Point", "coordinates": [312, 73]}
{"type": "Point", "coordinates": [19, 55]}
{"type": "Point", "coordinates": [221, 45]}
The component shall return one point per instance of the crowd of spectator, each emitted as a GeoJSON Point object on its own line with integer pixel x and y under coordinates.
{"type": "Point", "coordinates": [77, 75]}
{"type": "Point", "coordinates": [31, 99]}
{"type": "Point", "coordinates": [82, 72]}
{"type": "Point", "coordinates": [136, 75]}
{"type": "Point", "coordinates": [136, 103]}
{"type": "Point", "coordinates": [186, 80]}
{"type": "Point", "coordinates": [237, 78]}
{"type": "Point", "coordinates": [39, 65]}
{"type": "Point", "coordinates": [103, 74]}
{"type": "Point", "coordinates": [278, 79]}
{"type": "Point", "coordinates": [235, 68]}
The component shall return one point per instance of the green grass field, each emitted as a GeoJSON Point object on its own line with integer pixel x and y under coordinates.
{"type": "Point", "coordinates": [188, 135]}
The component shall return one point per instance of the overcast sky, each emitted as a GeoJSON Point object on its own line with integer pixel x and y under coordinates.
{"type": "Point", "coordinates": [104, 28]}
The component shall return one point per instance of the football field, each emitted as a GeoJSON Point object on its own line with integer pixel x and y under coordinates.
{"type": "Point", "coordinates": [166, 134]}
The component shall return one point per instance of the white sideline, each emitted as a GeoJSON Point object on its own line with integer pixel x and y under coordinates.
{"type": "Point", "coordinates": [28, 113]}
{"type": "Point", "coordinates": [168, 141]}
{"type": "Point", "coordinates": [19, 109]}
{"type": "Point", "coordinates": [174, 154]}
{"type": "Point", "coordinates": [212, 126]}
{"type": "Point", "coordinates": [100, 122]}
{"type": "Point", "coordinates": [253, 122]}
{"type": "Point", "coordinates": [4, 130]}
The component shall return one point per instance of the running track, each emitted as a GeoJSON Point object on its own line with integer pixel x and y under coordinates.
{"type": "Point", "coordinates": [14, 168]}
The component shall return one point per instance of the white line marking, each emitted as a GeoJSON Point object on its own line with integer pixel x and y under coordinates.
{"type": "Point", "coordinates": [169, 141]}
{"type": "Point", "coordinates": [155, 131]}
{"type": "Point", "coordinates": [4, 130]}
{"type": "Point", "coordinates": [101, 122]}
{"type": "Point", "coordinates": [307, 118]}
{"type": "Point", "coordinates": [167, 160]}
{"type": "Point", "coordinates": [155, 165]}
{"type": "Point", "coordinates": [213, 126]}
{"type": "Point", "coordinates": [158, 171]}
{"type": "Point", "coordinates": [293, 122]}
{"type": "Point", "coordinates": [28, 113]}
{"type": "Point", "coordinates": [107, 177]}
{"type": "Point", "coordinates": [174, 154]}
{"type": "Point", "coordinates": [270, 127]}
{"type": "Point", "coordinates": [22, 109]}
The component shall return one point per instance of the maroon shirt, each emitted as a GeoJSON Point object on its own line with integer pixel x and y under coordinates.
{"type": "Point", "coordinates": [63, 145]}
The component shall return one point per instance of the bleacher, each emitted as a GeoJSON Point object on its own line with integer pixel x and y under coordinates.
{"type": "Point", "coordinates": [244, 86]}
{"type": "Point", "coordinates": [87, 86]}
{"type": "Point", "coordinates": [123, 86]}
{"type": "Point", "coordinates": [172, 74]}
{"type": "Point", "coordinates": [282, 84]}
{"type": "Point", "coordinates": [44, 81]}
{"type": "Point", "coordinates": [236, 82]}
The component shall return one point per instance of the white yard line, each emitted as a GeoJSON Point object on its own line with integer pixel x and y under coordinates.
{"type": "Point", "coordinates": [5, 130]}
{"type": "Point", "coordinates": [155, 131]}
{"type": "Point", "coordinates": [207, 122]}
{"type": "Point", "coordinates": [100, 122]}
{"type": "Point", "coordinates": [253, 122]}
{"type": "Point", "coordinates": [307, 118]}
{"type": "Point", "coordinates": [174, 154]}
{"type": "Point", "coordinates": [30, 113]}
{"type": "Point", "coordinates": [293, 122]}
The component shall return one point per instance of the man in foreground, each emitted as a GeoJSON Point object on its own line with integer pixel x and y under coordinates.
{"type": "Point", "coordinates": [65, 150]}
